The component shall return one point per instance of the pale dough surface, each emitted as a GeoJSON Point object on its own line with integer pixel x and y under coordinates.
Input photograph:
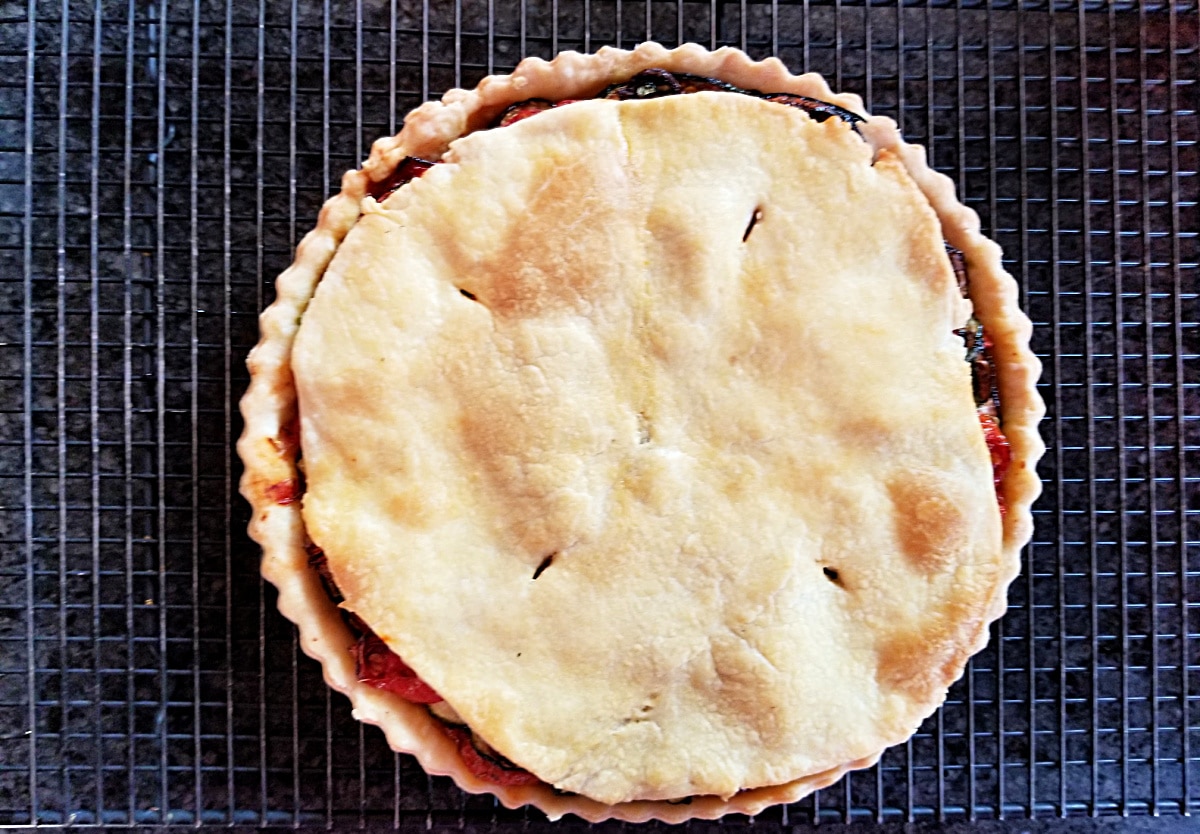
{"type": "Point", "coordinates": [695, 425]}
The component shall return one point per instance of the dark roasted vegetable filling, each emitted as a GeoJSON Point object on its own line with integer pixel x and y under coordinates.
{"type": "Point", "coordinates": [656, 83]}
{"type": "Point", "coordinates": [983, 380]}
{"type": "Point", "coordinates": [650, 83]}
{"type": "Point", "coordinates": [485, 762]}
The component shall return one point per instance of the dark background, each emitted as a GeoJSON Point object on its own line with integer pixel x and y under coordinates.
{"type": "Point", "coordinates": [158, 163]}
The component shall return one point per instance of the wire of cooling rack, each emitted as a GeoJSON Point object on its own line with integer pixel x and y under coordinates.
{"type": "Point", "coordinates": [159, 161]}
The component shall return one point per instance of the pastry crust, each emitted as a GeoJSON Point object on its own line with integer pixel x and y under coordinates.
{"type": "Point", "coordinates": [906, 669]}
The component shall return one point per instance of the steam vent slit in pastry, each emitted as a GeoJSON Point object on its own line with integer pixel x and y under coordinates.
{"type": "Point", "coordinates": [645, 434]}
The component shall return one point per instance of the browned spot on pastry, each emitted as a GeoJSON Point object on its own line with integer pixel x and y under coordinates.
{"type": "Point", "coordinates": [545, 264]}
{"type": "Point", "coordinates": [923, 255]}
{"type": "Point", "coordinates": [832, 575]}
{"type": "Point", "coordinates": [911, 664]}
{"type": "Point", "coordinates": [930, 525]}
{"type": "Point", "coordinates": [924, 662]}
{"type": "Point", "coordinates": [284, 492]}
{"type": "Point", "coordinates": [410, 509]}
{"type": "Point", "coordinates": [541, 516]}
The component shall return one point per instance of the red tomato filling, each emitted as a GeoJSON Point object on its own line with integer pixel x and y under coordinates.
{"type": "Point", "coordinates": [489, 768]}
{"type": "Point", "coordinates": [382, 668]}
{"type": "Point", "coordinates": [284, 492]}
{"type": "Point", "coordinates": [1001, 454]}
{"type": "Point", "coordinates": [409, 169]}
{"type": "Point", "coordinates": [524, 109]}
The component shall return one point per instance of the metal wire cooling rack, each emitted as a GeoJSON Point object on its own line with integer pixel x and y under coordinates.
{"type": "Point", "coordinates": [158, 163]}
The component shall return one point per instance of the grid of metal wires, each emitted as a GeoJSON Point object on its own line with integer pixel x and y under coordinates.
{"type": "Point", "coordinates": [158, 163]}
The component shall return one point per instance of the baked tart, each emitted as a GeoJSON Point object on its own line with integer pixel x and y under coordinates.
{"type": "Point", "coordinates": [611, 442]}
